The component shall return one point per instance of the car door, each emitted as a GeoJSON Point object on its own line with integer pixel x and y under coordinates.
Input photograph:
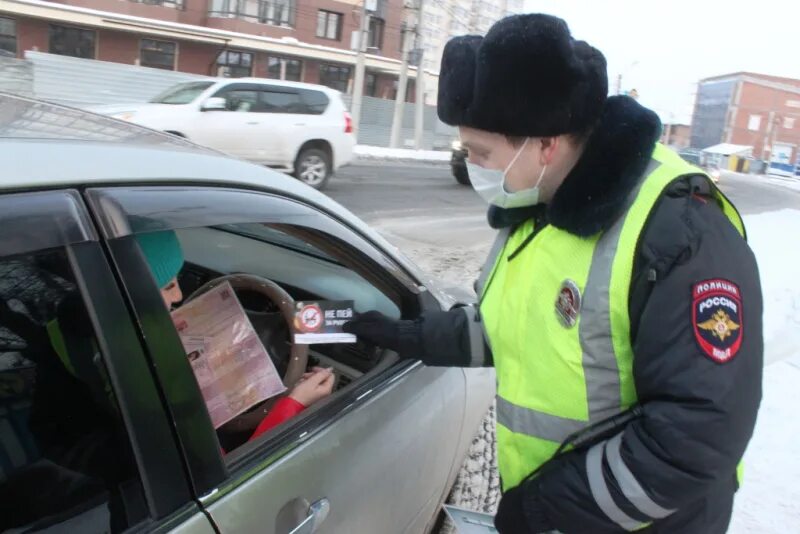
{"type": "Point", "coordinates": [286, 125]}
{"type": "Point", "coordinates": [85, 441]}
{"type": "Point", "coordinates": [373, 457]}
{"type": "Point", "coordinates": [241, 129]}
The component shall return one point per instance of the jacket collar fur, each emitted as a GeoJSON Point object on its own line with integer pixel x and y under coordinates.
{"type": "Point", "coordinates": [593, 195]}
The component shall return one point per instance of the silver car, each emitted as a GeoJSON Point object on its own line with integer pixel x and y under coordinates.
{"type": "Point", "coordinates": [103, 427]}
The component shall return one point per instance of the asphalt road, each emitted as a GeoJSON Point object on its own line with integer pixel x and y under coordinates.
{"type": "Point", "coordinates": [422, 203]}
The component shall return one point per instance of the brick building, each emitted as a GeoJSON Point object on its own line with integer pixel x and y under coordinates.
{"type": "Point", "coordinates": [749, 109]}
{"type": "Point", "coordinates": [298, 40]}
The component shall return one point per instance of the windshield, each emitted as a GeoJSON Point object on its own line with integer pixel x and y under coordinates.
{"type": "Point", "coordinates": [182, 94]}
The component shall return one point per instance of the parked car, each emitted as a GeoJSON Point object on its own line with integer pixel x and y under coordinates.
{"type": "Point", "coordinates": [295, 128]}
{"type": "Point", "coordinates": [102, 423]}
{"type": "Point", "coordinates": [458, 163]}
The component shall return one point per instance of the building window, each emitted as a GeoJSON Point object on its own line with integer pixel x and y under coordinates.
{"type": "Point", "coordinates": [371, 84]}
{"type": "Point", "coordinates": [276, 12]}
{"type": "Point", "coordinates": [282, 68]}
{"type": "Point", "coordinates": [376, 27]}
{"type": "Point", "coordinates": [329, 25]}
{"type": "Point", "coordinates": [176, 4]}
{"type": "Point", "coordinates": [8, 37]}
{"type": "Point", "coordinates": [235, 64]}
{"type": "Point", "coordinates": [334, 76]}
{"type": "Point", "coordinates": [754, 124]}
{"type": "Point", "coordinates": [788, 123]}
{"type": "Point", "coordinates": [75, 42]}
{"type": "Point", "coordinates": [157, 54]}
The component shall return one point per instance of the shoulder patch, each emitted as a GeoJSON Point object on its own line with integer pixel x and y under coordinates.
{"type": "Point", "coordinates": [717, 318]}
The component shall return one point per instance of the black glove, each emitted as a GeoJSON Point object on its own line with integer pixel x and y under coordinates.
{"type": "Point", "coordinates": [520, 512]}
{"type": "Point", "coordinates": [398, 335]}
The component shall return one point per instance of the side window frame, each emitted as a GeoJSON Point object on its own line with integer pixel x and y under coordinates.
{"type": "Point", "coordinates": [55, 219]}
{"type": "Point", "coordinates": [124, 211]}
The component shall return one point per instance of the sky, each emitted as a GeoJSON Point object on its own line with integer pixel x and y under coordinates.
{"type": "Point", "coordinates": [663, 48]}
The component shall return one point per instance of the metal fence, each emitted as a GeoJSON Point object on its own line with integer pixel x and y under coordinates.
{"type": "Point", "coordinates": [86, 82]}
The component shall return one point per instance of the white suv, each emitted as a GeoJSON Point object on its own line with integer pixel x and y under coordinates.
{"type": "Point", "coordinates": [296, 128]}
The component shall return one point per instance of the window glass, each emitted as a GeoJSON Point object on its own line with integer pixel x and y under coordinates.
{"type": "Point", "coordinates": [329, 25]}
{"type": "Point", "coordinates": [236, 64]}
{"type": "Point", "coordinates": [184, 93]}
{"type": "Point", "coordinates": [371, 84]}
{"type": "Point", "coordinates": [334, 76]}
{"type": "Point", "coordinates": [280, 68]}
{"type": "Point", "coordinates": [65, 458]}
{"type": "Point", "coordinates": [277, 12]}
{"type": "Point", "coordinates": [281, 102]}
{"type": "Point", "coordinates": [74, 42]}
{"type": "Point", "coordinates": [244, 100]}
{"type": "Point", "coordinates": [8, 37]}
{"type": "Point", "coordinates": [316, 102]}
{"type": "Point", "coordinates": [376, 27]}
{"type": "Point", "coordinates": [157, 54]}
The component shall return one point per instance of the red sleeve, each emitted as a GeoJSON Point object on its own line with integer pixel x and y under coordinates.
{"type": "Point", "coordinates": [284, 409]}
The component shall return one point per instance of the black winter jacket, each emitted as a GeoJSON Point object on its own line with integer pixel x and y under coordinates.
{"type": "Point", "coordinates": [698, 406]}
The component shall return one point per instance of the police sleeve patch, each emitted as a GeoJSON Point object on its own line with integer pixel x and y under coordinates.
{"type": "Point", "coordinates": [717, 318]}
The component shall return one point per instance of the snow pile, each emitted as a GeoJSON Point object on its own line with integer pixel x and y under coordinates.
{"type": "Point", "coordinates": [402, 154]}
{"type": "Point", "coordinates": [789, 183]}
{"type": "Point", "coordinates": [773, 238]}
{"type": "Point", "coordinates": [769, 500]}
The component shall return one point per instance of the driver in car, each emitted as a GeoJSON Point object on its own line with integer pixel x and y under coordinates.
{"type": "Point", "coordinates": [164, 255]}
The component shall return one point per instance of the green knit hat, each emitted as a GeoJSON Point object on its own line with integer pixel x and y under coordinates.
{"type": "Point", "coordinates": [163, 253]}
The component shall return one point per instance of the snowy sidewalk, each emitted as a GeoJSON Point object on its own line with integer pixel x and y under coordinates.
{"type": "Point", "coordinates": [372, 153]}
{"type": "Point", "coordinates": [769, 500]}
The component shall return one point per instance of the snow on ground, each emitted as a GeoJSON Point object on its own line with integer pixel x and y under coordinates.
{"type": "Point", "coordinates": [375, 152]}
{"type": "Point", "coordinates": [784, 181]}
{"type": "Point", "coordinates": [769, 501]}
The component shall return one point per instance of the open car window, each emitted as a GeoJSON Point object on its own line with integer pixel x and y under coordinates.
{"type": "Point", "coordinates": [308, 254]}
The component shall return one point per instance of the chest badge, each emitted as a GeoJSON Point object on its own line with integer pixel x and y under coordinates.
{"type": "Point", "coordinates": [568, 303]}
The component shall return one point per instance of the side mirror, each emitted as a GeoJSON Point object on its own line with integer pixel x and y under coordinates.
{"type": "Point", "coordinates": [214, 103]}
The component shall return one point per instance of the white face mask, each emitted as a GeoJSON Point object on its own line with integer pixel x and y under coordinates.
{"type": "Point", "coordinates": [490, 184]}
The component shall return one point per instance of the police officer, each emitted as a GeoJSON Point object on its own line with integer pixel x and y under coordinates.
{"type": "Point", "coordinates": [620, 304]}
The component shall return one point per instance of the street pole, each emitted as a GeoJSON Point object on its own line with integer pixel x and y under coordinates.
{"type": "Point", "coordinates": [619, 84]}
{"type": "Point", "coordinates": [420, 103]}
{"type": "Point", "coordinates": [358, 81]}
{"type": "Point", "coordinates": [399, 103]}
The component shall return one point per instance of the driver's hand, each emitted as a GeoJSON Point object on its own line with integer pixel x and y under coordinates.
{"type": "Point", "coordinates": [313, 386]}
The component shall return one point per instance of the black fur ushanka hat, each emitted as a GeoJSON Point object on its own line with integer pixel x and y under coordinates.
{"type": "Point", "coordinates": [528, 77]}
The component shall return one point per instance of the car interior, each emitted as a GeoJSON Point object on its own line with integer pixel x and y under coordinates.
{"type": "Point", "coordinates": [306, 272]}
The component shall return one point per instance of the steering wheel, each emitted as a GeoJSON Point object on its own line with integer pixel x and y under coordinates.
{"type": "Point", "coordinates": [298, 355]}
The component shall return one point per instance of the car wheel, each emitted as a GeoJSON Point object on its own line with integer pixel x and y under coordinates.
{"type": "Point", "coordinates": [313, 167]}
{"type": "Point", "coordinates": [461, 175]}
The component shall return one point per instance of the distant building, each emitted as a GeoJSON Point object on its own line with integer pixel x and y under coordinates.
{"type": "Point", "coordinates": [753, 110]}
{"type": "Point", "coordinates": [676, 135]}
{"type": "Point", "coordinates": [447, 18]}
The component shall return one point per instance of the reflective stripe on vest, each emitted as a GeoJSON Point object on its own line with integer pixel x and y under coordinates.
{"type": "Point", "coordinates": [553, 379]}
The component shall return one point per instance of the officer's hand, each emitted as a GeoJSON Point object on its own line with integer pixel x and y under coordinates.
{"type": "Point", "coordinates": [510, 519]}
{"type": "Point", "coordinates": [516, 516]}
{"type": "Point", "coordinates": [374, 327]}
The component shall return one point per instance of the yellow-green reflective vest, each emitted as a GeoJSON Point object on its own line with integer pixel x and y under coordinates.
{"type": "Point", "coordinates": [560, 371]}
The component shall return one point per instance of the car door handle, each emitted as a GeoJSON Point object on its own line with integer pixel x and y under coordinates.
{"type": "Point", "coordinates": [317, 513]}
